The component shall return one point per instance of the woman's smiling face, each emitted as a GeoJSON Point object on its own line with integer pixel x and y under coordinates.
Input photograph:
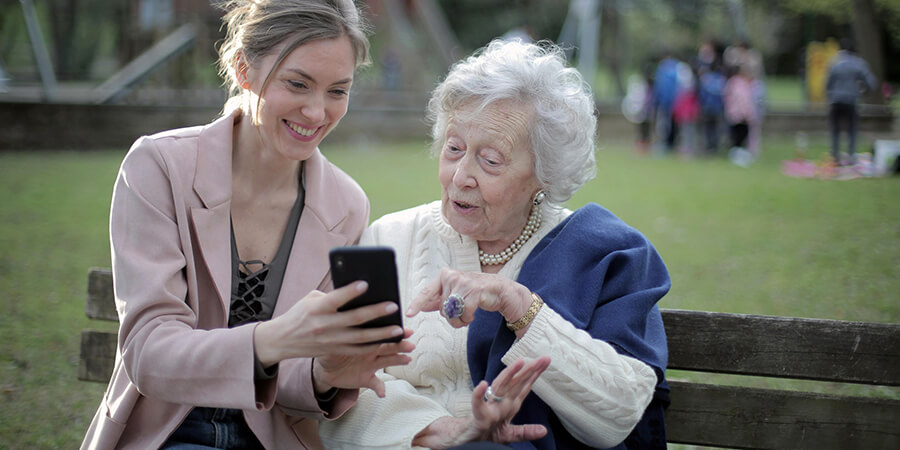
{"type": "Point", "coordinates": [486, 171]}
{"type": "Point", "coordinates": [306, 96]}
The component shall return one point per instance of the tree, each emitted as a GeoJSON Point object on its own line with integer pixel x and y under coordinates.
{"type": "Point", "coordinates": [867, 33]}
{"type": "Point", "coordinates": [865, 18]}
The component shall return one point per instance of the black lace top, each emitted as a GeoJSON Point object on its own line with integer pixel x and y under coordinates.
{"type": "Point", "coordinates": [255, 285]}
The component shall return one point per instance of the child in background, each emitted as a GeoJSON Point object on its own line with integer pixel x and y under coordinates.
{"type": "Point", "coordinates": [712, 106]}
{"type": "Point", "coordinates": [686, 110]}
{"type": "Point", "coordinates": [740, 112]}
{"type": "Point", "coordinates": [637, 107]}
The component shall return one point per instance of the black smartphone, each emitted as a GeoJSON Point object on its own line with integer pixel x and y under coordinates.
{"type": "Point", "coordinates": [376, 266]}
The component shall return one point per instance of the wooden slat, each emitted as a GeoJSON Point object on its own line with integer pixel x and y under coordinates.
{"type": "Point", "coordinates": [98, 355]}
{"type": "Point", "coordinates": [100, 302]}
{"type": "Point", "coordinates": [787, 347]}
{"type": "Point", "coordinates": [740, 417]}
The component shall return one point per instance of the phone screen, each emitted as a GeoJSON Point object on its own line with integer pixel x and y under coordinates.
{"type": "Point", "coordinates": [376, 266]}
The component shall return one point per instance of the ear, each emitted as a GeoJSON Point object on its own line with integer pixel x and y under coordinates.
{"type": "Point", "coordinates": [240, 71]}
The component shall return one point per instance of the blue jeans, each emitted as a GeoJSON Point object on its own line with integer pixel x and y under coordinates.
{"type": "Point", "coordinates": [219, 428]}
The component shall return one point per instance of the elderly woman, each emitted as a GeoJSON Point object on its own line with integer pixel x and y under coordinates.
{"type": "Point", "coordinates": [555, 309]}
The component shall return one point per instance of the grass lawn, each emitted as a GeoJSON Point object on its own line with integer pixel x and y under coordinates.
{"type": "Point", "coordinates": [736, 240]}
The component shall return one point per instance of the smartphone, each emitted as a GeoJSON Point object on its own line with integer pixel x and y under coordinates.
{"type": "Point", "coordinates": [376, 266]}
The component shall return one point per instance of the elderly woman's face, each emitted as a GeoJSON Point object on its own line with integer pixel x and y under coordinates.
{"type": "Point", "coordinates": [487, 173]}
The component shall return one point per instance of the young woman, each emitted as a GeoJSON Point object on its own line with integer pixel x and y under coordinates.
{"type": "Point", "coordinates": [220, 237]}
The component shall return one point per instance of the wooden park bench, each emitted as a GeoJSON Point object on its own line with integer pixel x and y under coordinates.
{"type": "Point", "coordinates": [717, 415]}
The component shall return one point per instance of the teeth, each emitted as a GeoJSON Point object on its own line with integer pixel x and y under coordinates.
{"type": "Point", "coordinates": [301, 130]}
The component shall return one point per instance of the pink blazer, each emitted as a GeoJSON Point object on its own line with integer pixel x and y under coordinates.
{"type": "Point", "coordinates": [171, 260]}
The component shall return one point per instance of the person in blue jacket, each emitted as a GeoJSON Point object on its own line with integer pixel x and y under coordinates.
{"type": "Point", "coordinates": [849, 77]}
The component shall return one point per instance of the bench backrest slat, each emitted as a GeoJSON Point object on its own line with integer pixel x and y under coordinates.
{"type": "Point", "coordinates": [741, 417]}
{"type": "Point", "coordinates": [101, 303]}
{"type": "Point", "coordinates": [98, 355]}
{"type": "Point", "coordinates": [813, 349]}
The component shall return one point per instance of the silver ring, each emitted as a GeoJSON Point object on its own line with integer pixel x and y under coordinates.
{"type": "Point", "coordinates": [453, 307]}
{"type": "Point", "coordinates": [489, 396]}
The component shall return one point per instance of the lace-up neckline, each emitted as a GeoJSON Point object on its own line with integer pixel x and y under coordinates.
{"type": "Point", "coordinates": [255, 292]}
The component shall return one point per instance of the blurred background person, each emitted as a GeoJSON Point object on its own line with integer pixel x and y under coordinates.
{"type": "Point", "coordinates": [740, 112]}
{"type": "Point", "coordinates": [637, 107]}
{"type": "Point", "coordinates": [848, 78]}
{"type": "Point", "coordinates": [712, 106]}
{"type": "Point", "coordinates": [747, 60]}
{"type": "Point", "coordinates": [686, 110]}
{"type": "Point", "coordinates": [665, 90]}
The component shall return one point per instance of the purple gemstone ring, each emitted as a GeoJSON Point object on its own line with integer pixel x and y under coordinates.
{"type": "Point", "coordinates": [453, 307]}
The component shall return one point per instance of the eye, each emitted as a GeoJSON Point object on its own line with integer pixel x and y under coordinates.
{"type": "Point", "coordinates": [297, 84]}
{"type": "Point", "coordinates": [340, 92]}
{"type": "Point", "coordinates": [491, 158]}
{"type": "Point", "coordinates": [452, 151]}
{"type": "Point", "coordinates": [453, 145]}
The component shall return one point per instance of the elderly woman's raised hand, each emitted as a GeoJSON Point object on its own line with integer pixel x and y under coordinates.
{"type": "Point", "coordinates": [491, 412]}
{"type": "Point", "coordinates": [474, 290]}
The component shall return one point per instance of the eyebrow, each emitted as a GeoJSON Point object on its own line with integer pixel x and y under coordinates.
{"type": "Point", "coordinates": [310, 77]}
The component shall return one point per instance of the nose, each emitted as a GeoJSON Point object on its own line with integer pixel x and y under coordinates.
{"type": "Point", "coordinates": [463, 173]}
{"type": "Point", "coordinates": [314, 109]}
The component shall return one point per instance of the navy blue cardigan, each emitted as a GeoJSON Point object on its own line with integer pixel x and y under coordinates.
{"type": "Point", "coordinates": [604, 277]}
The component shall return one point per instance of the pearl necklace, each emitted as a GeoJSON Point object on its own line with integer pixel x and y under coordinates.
{"type": "Point", "coordinates": [534, 222]}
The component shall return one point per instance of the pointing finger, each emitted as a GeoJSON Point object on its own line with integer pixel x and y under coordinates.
{"type": "Point", "coordinates": [429, 299]}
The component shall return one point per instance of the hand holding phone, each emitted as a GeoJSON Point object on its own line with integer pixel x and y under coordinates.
{"type": "Point", "coordinates": [375, 266]}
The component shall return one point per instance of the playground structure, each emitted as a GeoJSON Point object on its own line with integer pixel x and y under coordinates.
{"type": "Point", "coordinates": [417, 46]}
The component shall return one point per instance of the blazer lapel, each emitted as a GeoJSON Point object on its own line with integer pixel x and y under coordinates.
{"type": "Point", "coordinates": [213, 231]}
{"type": "Point", "coordinates": [212, 222]}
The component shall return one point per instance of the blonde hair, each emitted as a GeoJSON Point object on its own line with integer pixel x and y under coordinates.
{"type": "Point", "coordinates": [255, 28]}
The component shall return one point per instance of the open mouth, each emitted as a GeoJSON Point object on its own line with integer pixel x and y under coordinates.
{"type": "Point", "coordinates": [463, 205]}
{"type": "Point", "coordinates": [305, 132]}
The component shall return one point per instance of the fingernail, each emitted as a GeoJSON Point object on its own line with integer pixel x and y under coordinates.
{"type": "Point", "coordinates": [361, 286]}
{"type": "Point", "coordinates": [391, 308]}
{"type": "Point", "coordinates": [397, 332]}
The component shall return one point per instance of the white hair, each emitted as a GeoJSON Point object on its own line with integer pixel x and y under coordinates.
{"type": "Point", "coordinates": [564, 125]}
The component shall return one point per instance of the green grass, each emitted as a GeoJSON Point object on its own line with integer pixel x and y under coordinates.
{"type": "Point", "coordinates": [52, 229]}
{"type": "Point", "coordinates": [736, 240]}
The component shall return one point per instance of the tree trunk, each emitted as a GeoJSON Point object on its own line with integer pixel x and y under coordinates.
{"type": "Point", "coordinates": [63, 20]}
{"type": "Point", "coordinates": [867, 33]}
{"type": "Point", "coordinates": [613, 38]}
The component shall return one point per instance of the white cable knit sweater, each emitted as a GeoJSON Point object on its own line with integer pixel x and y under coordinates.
{"type": "Point", "coordinates": [598, 394]}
